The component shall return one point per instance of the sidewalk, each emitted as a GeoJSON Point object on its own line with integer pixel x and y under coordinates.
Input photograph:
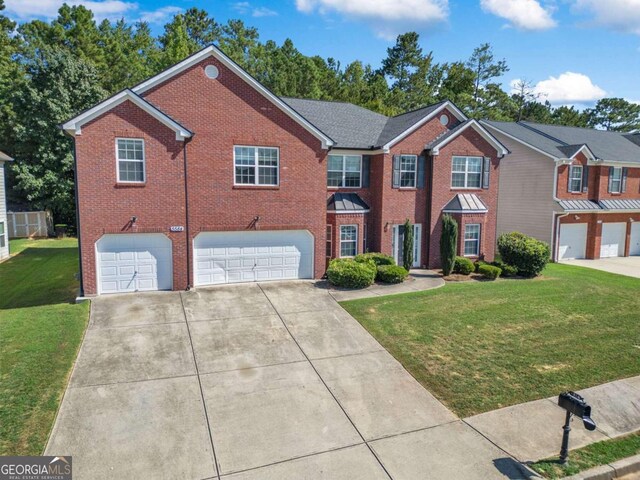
{"type": "Point", "coordinates": [533, 431]}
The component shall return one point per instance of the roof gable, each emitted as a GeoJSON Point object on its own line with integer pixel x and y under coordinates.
{"type": "Point", "coordinates": [5, 158]}
{"type": "Point", "coordinates": [437, 143]}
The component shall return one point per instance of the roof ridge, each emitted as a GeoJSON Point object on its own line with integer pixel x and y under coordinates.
{"type": "Point", "coordinates": [335, 101]}
{"type": "Point", "coordinates": [550, 137]}
{"type": "Point", "coordinates": [420, 108]}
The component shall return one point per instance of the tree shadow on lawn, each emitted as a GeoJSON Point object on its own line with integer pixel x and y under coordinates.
{"type": "Point", "coordinates": [39, 276]}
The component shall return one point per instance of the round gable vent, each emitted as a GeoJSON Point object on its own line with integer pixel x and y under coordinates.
{"type": "Point", "coordinates": [211, 71]}
{"type": "Point", "coordinates": [444, 119]}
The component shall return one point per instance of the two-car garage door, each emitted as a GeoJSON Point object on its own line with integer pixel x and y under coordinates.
{"type": "Point", "coordinates": [573, 240]}
{"type": "Point", "coordinates": [251, 256]}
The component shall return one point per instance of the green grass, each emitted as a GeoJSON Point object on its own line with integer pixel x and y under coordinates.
{"type": "Point", "coordinates": [479, 346]}
{"type": "Point", "coordinates": [596, 454]}
{"type": "Point", "coordinates": [40, 333]}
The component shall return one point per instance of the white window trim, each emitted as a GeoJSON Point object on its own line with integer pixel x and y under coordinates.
{"type": "Point", "coordinates": [464, 240]}
{"type": "Point", "coordinates": [256, 176]}
{"type": "Point", "coordinates": [344, 171]}
{"type": "Point", "coordinates": [3, 234]}
{"type": "Point", "coordinates": [466, 173]}
{"type": "Point", "coordinates": [571, 179]}
{"type": "Point", "coordinates": [414, 171]}
{"type": "Point", "coordinates": [348, 241]}
{"type": "Point", "coordinates": [619, 190]}
{"type": "Point", "coordinates": [144, 161]}
{"type": "Point", "coordinates": [329, 240]}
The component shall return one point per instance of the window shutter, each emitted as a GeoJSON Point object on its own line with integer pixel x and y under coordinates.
{"type": "Point", "coordinates": [366, 168]}
{"type": "Point", "coordinates": [420, 171]}
{"type": "Point", "coordinates": [396, 172]}
{"type": "Point", "coordinates": [585, 179]}
{"type": "Point", "coordinates": [569, 177]}
{"type": "Point", "coordinates": [610, 178]}
{"type": "Point", "coordinates": [486, 169]}
{"type": "Point", "coordinates": [624, 180]}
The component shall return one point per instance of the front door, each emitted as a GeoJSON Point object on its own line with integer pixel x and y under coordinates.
{"type": "Point", "coordinates": [397, 244]}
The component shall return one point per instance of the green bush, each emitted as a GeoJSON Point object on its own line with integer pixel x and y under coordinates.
{"type": "Point", "coordinates": [478, 264]}
{"type": "Point", "coordinates": [463, 266]}
{"type": "Point", "coordinates": [377, 258]}
{"type": "Point", "coordinates": [489, 271]}
{"type": "Point", "coordinates": [528, 255]}
{"type": "Point", "coordinates": [507, 270]}
{"type": "Point", "coordinates": [448, 243]}
{"type": "Point", "coordinates": [391, 274]}
{"type": "Point", "coordinates": [345, 272]}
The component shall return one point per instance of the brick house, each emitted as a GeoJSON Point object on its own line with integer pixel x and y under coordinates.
{"type": "Point", "coordinates": [200, 175]}
{"type": "Point", "coordinates": [576, 188]}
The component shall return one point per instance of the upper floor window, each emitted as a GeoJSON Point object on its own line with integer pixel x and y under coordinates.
{"type": "Point", "coordinates": [408, 168]}
{"type": "Point", "coordinates": [344, 171]}
{"type": "Point", "coordinates": [466, 172]}
{"type": "Point", "coordinates": [575, 179]}
{"type": "Point", "coordinates": [615, 182]}
{"type": "Point", "coordinates": [131, 160]}
{"type": "Point", "coordinates": [256, 165]}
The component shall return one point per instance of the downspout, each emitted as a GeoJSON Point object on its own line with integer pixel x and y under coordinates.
{"type": "Point", "coordinates": [75, 186]}
{"type": "Point", "coordinates": [555, 221]}
{"type": "Point", "coordinates": [429, 196]}
{"type": "Point", "coordinates": [186, 213]}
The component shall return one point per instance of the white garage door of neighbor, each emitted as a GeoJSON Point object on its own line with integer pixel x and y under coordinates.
{"type": "Point", "coordinates": [232, 257]}
{"type": "Point", "coordinates": [573, 241]}
{"type": "Point", "coordinates": [613, 240]}
{"type": "Point", "coordinates": [134, 262]}
{"type": "Point", "coordinates": [634, 248]}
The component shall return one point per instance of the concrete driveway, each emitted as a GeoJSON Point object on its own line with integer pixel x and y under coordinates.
{"type": "Point", "coordinates": [254, 381]}
{"type": "Point", "coordinates": [629, 266]}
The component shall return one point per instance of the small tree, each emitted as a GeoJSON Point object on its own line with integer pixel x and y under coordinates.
{"type": "Point", "coordinates": [407, 247]}
{"type": "Point", "coordinates": [448, 244]}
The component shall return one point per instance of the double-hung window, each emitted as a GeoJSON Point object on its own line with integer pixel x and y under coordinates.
{"type": "Point", "coordinates": [3, 241]}
{"type": "Point", "coordinates": [344, 171]}
{"type": "Point", "coordinates": [466, 172]}
{"type": "Point", "coordinates": [329, 246]}
{"type": "Point", "coordinates": [256, 165]}
{"type": "Point", "coordinates": [575, 182]}
{"type": "Point", "coordinates": [408, 167]}
{"type": "Point", "coordinates": [348, 240]}
{"type": "Point", "coordinates": [616, 180]}
{"type": "Point", "coordinates": [472, 240]}
{"type": "Point", "coordinates": [131, 161]}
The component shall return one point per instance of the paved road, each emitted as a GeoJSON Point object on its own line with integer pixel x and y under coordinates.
{"type": "Point", "coordinates": [254, 381]}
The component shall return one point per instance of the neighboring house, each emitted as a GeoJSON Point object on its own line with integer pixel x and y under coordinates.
{"type": "Point", "coordinates": [4, 232]}
{"type": "Point", "coordinates": [200, 175]}
{"type": "Point", "coordinates": [576, 188]}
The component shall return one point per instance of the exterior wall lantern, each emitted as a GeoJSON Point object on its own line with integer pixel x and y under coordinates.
{"type": "Point", "coordinates": [574, 404]}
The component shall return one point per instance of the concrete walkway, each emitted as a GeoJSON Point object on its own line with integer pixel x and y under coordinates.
{"type": "Point", "coordinates": [532, 431]}
{"type": "Point", "coordinates": [417, 281]}
{"type": "Point", "coordinates": [629, 266]}
{"type": "Point", "coordinates": [254, 381]}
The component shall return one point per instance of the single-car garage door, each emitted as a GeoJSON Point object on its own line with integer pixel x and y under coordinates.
{"type": "Point", "coordinates": [231, 257]}
{"type": "Point", "coordinates": [613, 240]}
{"type": "Point", "coordinates": [134, 262]}
{"type": "Point", "coordinates": [573, 241]}
{"type": "Point", "coordinates": [634, 247]}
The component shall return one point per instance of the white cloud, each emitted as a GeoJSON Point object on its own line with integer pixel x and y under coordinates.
{"type": "Point", "coordinates": [567, 88]}
{"type": "Point", "coordinates": [161, 15]}
{"type": "Point", "coordinates": [619, 15]}
{"type": "Point", "coordinates": [245, 8]}
{"type": "Point", "coordinates": [523, 14]}
{"type": "Point", "coordinates": [387, 17]}
{"type": "Point", "coordinates": [263, 12]}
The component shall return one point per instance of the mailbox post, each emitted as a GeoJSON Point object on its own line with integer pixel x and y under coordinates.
{"type": "Point", "coordinates": [574, 404]}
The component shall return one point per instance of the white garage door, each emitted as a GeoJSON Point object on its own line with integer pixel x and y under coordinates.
{"type": "Point", "coordinates": [573, 241]}
{"type": "Point", "coordinates": [613, 239]}
{"type": "Point", "coordinates": [231, 257]}
{"type": "Point", "coordinates": [634, 248]}
{"type": "Point", "coordinates": [134, 262]}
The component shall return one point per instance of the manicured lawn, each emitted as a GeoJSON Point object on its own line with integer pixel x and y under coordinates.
{"type": "Point", "coordinates": [40, 333]}
{"type": "Point", "coordinates": [479, 346]}
{"type": "Point", "coordinates": [596, 454]}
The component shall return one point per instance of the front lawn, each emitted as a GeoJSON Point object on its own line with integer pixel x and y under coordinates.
{"type": "Point", "coordinates": [40, 332]}
{"type": "Point", "coordinates": [479, 346]}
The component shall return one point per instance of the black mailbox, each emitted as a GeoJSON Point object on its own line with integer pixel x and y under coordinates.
{"type": "Point", "coordinates": [574, 404]}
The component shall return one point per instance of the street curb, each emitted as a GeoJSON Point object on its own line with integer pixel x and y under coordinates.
{"type": "Point", "coordinates": [611, 471]}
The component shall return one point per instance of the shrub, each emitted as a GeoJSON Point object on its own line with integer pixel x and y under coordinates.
{"type": "Point", "coordinates": [345, 272]}
{"type": "Point", "coordinates": [391, 273]}
{"type": "Point", "coordinates": [448, 244]}
{"type": "Point", "coordinates": [463, 266]}
{"type": "Point", "coordinates": [377, 258]}
{"type": "Point", "coordinates": [478, 264]}
{"type": "Point", "coordinates": [507, 270]}
{"type": "Point", "coordinates": [489, 271]}
{"type": "Point", "coordinates": [528, 255]}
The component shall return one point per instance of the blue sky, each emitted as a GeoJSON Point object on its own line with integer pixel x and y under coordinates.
{"type": "Point", "coordinates": [574, 51]}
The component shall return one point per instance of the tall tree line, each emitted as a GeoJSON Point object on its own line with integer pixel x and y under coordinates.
{"type": "Point", "coordinates": [50, 71]}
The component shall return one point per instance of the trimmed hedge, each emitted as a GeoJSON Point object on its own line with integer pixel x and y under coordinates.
{"type": "Point", "coordinates": [391, 274]}
{"type": "Point", "coordinates": [489, 271]}
{"type": "Point", "coordinates": [528, 255]}
{"type": "Point", "coordinates": [345, 272]}
{"type": "Point", "coordinates": [478, 264]}
{"type": "Point", "coordinates": [507, 270]}
{"type": "Point", "coordinates": [463, 266]}
{"type": "Point", "coordinates": [375, 257]}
